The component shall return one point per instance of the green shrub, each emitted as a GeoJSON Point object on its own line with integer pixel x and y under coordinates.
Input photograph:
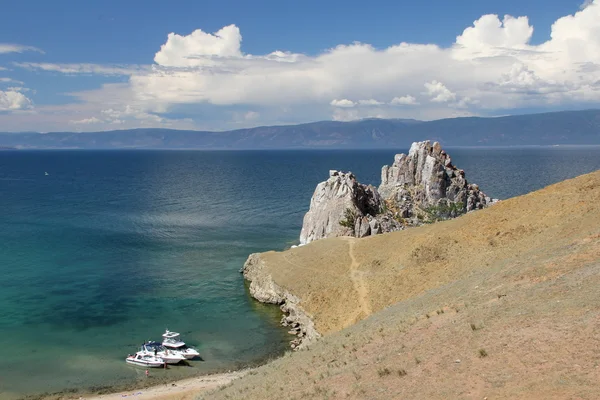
{"type": "Point", "coordinates": [349, 218]}
{"type": "Point", "coordinates": [444, 211]}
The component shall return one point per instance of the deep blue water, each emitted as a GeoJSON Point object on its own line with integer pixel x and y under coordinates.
{"type": "Point", "coordinates": [112, 247]}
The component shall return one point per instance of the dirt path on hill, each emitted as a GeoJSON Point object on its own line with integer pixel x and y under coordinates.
{"type": "Point", "coordinates": [358, 282]}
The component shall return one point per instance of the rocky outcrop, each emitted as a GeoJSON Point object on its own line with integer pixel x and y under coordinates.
{"type": "Point", "coordinates": [341, 206]}
{"type": "Point", "coordinates": [426, 178]}
{"type": "Point", "coordinates": [423, 186]}
{"type": "Point", "coordinates": [264, 289]}
{"type": "Point", "coordinates": [420, 187]}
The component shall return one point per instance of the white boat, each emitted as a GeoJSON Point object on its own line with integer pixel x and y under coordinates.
{"type": "Point", "coordinates": [169, 356]}
{"type": "Point", "coordinates": [172, 341]}
{"type": "Point", "coordinates": [145, 360]}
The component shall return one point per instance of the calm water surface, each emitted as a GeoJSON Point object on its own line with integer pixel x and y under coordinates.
{"type": "Point", "coordinates": [112, 247]}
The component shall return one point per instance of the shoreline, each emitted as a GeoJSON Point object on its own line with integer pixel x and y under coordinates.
{"type": "Point", "coordinates": [173, 389]}
{"type": "Point", "coordinates": [264, 290]}
{"type": "Point", "coordinates": [182, 389]}
{"type": "Point", "coordinates": [178, 390]}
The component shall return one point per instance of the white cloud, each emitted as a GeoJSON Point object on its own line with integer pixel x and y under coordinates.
{"type": "Point", "coordinates": [491, 67]}
{"type": "Point", "coordinates": [407, 100]}
{"type": "Point", "coordinates": [126, 115]}
{"type": "Point", "coordinates": [196, 48]}
{"type": "Point", "coordinates": [251, 116]}
{"type": "Point", "coordinates": [19, 89]}
{"type": "Point", "coordinates": [17, 48]}
{"type": "Point", "coordinates": [586, 4]}
{"type": "Point", "coordinates": [439, 93]}
{"type": "Point", "coordinates": [86, 121]}
{"type": "Point", "coordinates": [475, 72]}
{"type": "Point", "coordinates": [130, 112]}
{"type": "Point", "coordinates": [341, 114]}
{"type": "Point", "coordinates": [488, 32]}
{"type": "Point", "coordinates": [344, 103]}
{"type": "Point", "coordinates": [10, 80]}
{"type": "Point", "coordinates": [84, 69]}
{"type": "Point", "coordinates": [12, 100]}
{"type": "Point", "coordinates": [370, 102]}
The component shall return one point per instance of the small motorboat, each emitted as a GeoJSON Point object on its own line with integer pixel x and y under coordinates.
{"type": "Point", "coordinates": [167, 355]}
{"type": "Point", "coordinates": [172, 341]}
{"type": "Point", "coordinates": [145, 360]}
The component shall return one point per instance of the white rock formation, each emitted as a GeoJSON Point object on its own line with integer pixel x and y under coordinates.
{"type": "Point", "coordinates": [341, 206]}
{"type": "Point", "coordinates": [422, 186]}
{"type": "Point", "coordinates": [426, 178]}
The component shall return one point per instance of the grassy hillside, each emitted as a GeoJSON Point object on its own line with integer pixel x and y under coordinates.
{"type": "Point", "coordinates": [501, 303]}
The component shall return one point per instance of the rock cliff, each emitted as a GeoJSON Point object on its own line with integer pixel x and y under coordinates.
{"type": "Point", "coordinates": [423, 186]}
{"type": "Point", "coordinates": [341, 206]}
{"type": "Point", "coordinates": [426, 178]}
{"type": "Point", "coordinates": [265, 290]}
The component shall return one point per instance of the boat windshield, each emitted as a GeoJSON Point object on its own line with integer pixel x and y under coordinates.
{"type": "Point", "coordinates": [171, 335]}
{"type": "Point", "coordinates": [152, 347]}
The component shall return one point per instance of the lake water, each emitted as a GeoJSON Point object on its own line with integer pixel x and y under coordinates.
{"type": "Point", "coordinates": [112, 247]}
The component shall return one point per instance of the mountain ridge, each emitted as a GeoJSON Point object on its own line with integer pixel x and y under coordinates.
{"type": "Point", "coordinates": [554, 128]}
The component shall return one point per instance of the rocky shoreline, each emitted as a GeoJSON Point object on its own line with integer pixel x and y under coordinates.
{"type": "Point", "coordinates": [265, 290]}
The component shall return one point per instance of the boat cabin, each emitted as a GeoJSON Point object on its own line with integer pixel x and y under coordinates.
{"type": "Point", "coordinates": [172, 339]}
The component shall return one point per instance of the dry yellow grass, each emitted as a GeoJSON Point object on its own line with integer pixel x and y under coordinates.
{"type": "Point", "coordinates": [400, 265]}
{"type": "Point", "coordinates": [501, 303]}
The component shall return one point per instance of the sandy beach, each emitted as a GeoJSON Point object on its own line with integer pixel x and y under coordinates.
{"type": "Point", "coordinates": [186, 389]}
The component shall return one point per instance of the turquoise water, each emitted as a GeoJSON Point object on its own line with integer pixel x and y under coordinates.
{"type": "Point", "coordinates": [110, 248]}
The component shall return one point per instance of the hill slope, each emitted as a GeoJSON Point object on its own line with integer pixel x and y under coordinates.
{"type": "Point", "coordinates": [500, 303]}
{"type": "Point", "coordinates": [568, 127]}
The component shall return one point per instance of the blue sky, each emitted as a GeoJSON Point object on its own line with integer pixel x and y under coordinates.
{"type": "Point", "coordinates": [74, 65]}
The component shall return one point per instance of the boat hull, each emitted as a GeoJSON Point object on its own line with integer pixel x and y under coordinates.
{"type": "Point", "coordinates": [187, 353]}
{"type": "Point", "coordinates": [171, 360]}
{"type": "Point", "coordinates": [168, 358]}
{"type": "Point", "coordinates": [146, 364]}
{"type": "Point", "coordinates": [173, 342]}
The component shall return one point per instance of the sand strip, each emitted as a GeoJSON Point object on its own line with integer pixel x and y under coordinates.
{"type": "Point", "coordinates": [186, 389]}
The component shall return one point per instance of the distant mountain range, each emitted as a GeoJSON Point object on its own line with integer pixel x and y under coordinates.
{"type": "Point", "coordinates": [556, 128]}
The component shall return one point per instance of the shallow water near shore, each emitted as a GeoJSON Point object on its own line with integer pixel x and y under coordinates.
{"type": "Point", "coordinates": [112, 247]}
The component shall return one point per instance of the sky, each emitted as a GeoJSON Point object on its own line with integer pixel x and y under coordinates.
{"type": "Point", "coordinates": [220, 65]}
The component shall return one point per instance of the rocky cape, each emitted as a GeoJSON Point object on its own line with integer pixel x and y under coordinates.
{"type": "Point", "coordinates": [423, 186]}
{"type": "Point", "coordinates": [500, 303]}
